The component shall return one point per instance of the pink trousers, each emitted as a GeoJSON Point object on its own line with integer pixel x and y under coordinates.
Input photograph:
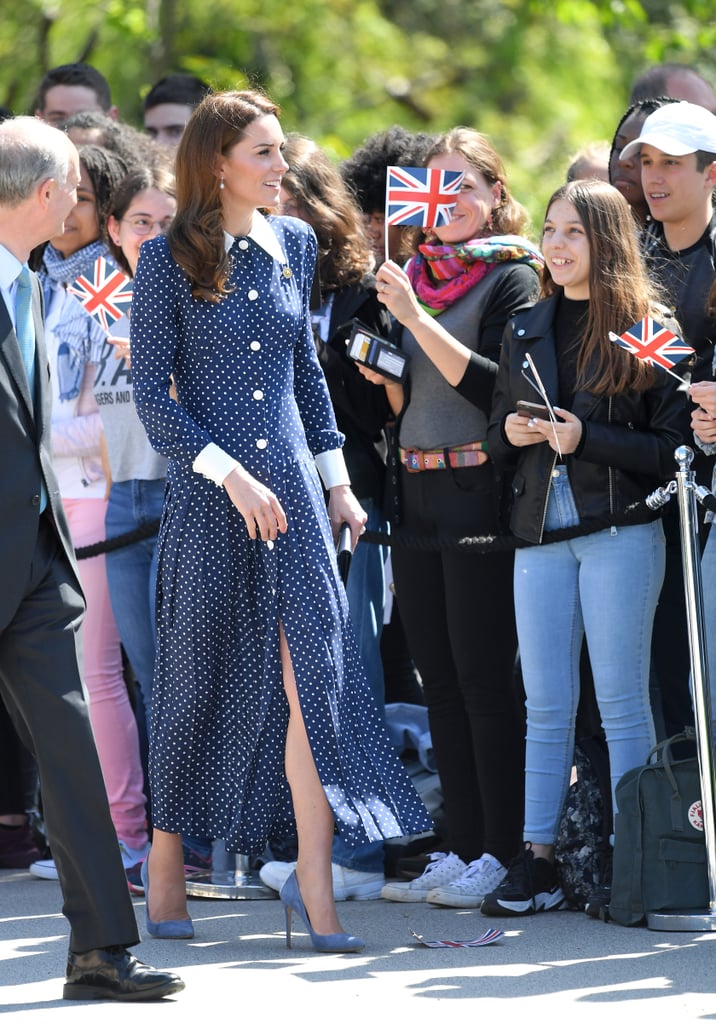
{"type": "Point", "coordinates": [113, 721]}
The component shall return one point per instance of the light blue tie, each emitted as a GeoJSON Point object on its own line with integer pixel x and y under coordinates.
{"type": "Point", "coordinates": [25, 331]}
{"type": "Point", "coordinates": [25, 327]}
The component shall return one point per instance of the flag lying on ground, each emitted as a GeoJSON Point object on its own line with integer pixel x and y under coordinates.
{"type": "Point", "coordinates": [650, 341]}
{"type": "Point", "coordinates": [421, 196]}
{"type": "Point", "coordinates": [105, 293]}
{"type": "Point", "coordinates": [486, 939]}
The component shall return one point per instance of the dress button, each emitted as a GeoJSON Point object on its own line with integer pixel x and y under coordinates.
{"type": "Point", "coordinates": [243, 244]}
{"type": "Point", "coordinates": [269, 545]}
{"type": "Point", "coordinates": [258, 395]}
{"type": "Point", "coordinates": [520, 333]}
{"type": "Point", "coordinates": [255, 346]}
{"type": "Point", "coordinates": [35, 500]}
{"type": "Point", "coordinates": [253, 294]}
{"type": "Point", "coordinates": [262, 443]}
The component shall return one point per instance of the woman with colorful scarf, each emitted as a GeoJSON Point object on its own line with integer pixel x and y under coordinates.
{"type": "Point", "coordinates": [452, 304]}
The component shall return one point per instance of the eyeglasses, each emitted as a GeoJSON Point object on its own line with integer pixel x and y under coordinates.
{"type": "Point", "coordinates": [142, 225]}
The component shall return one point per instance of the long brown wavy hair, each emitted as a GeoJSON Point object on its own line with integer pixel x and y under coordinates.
{"type": "Point", "coordinates": [323, 200]}
{"type": "Point", "coordinates": [196, 236]}
{"type": "Point", "coordinates": [620, 292]}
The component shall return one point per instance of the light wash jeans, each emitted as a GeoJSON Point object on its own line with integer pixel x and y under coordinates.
{"type": "Point", "coordinates": [605, 585]}
{"type": "Point", "coordinates": [132, 575]}
{"type": "Point", "coordinates": [365, 589]}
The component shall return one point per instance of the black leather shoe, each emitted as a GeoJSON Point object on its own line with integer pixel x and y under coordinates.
{"type": "Point", "coordinates": [113, 973]}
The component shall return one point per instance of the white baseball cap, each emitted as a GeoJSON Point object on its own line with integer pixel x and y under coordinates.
{"type": "Point", "coordinates": [676, 129]}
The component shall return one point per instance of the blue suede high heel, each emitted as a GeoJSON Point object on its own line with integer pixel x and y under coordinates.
{"type": "Point", "coordinates": [340, 942]}
{"type": "Point", "coordinates": [164, 929]}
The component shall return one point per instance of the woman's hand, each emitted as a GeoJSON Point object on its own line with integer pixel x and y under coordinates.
{"type": "Point", "coordinates": [519, 432]}
{"type": "Point", "coordinates": [344, 507]}
{"type": "Point", "coordinates": [396, 292]}
{"type": "Point", "coordinates": [703, 418]}
{"type": "Point", "coordinates": [121, 349]}
{"type": "Point", "coordinates": [703, 392]}
{"type": "Point", "coordinates": [261, 509]}
{"type": "Point", "coordinates": [393, 390]}
{"type": "Point", "coordinates": [567, 430]}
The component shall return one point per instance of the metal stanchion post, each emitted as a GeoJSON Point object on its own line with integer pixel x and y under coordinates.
{"type": "Point", "coordinates": [239, 884]}
{"type": "Point", "coordinates": [701, 919]}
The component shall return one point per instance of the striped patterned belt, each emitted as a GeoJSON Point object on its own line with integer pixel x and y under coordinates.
{"type": "Point", "coordinates": [415, 461]}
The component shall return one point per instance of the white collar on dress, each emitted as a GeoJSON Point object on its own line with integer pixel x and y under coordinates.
{"type": "Point", "coordinates": [261, 233]}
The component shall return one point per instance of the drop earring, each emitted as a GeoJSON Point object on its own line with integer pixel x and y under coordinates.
{"type": "Point", "coordinates": [221, 182]}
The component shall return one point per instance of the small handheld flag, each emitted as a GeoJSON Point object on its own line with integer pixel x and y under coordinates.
{"type": "Point", "coordinates": [657, 345]}
{"type": "Point", "coordinates": [421, 197]}
{"type": "Point", "coordinates": [105, 293]}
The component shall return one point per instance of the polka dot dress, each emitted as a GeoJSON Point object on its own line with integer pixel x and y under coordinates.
{"type": "Point", "coordinates": [248, 379]}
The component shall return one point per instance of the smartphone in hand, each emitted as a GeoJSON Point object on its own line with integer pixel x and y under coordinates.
{"type": "Point", "coordinates": [532, 410]}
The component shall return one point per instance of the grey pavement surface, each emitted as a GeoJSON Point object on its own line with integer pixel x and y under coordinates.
{"type": "Point", "coordinates": [553, 967]}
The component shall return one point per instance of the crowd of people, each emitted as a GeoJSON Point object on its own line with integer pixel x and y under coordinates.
{"type": "Point", "coordinates": [210, 442]}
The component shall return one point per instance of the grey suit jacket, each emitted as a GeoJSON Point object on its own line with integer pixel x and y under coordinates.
{"type": "Point", "coordinates": [25, 460]}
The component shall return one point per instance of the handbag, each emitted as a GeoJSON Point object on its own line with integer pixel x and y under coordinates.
{"type": "Point", "coordinates": [659, 846]}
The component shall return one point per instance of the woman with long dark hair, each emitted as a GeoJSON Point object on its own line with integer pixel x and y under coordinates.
{"type": "Point", "coordinates": [586, 471]}
{"type": "Point", "coordinates": [261, 712]}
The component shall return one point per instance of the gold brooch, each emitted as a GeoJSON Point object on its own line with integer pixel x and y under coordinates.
{"type": "Point", "coordinates": [286, 271]}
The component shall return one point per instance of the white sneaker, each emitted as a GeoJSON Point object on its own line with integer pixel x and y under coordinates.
{"type": "Point", "coordinates": [44, 869]}
{"type": "Point", "coordinates": [48, 869]}
{"type": "Point", "coordinates": [469, 890]}
{"type": "Point", "coordinates": [442, 869]}
{"type": "Point", "coordinates": [348, 884]}
{"type": "Point", "coordinates": [133, 855]}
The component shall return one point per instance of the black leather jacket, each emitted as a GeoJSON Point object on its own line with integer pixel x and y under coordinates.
{"type": "Point", "coordinates": [627, 447]}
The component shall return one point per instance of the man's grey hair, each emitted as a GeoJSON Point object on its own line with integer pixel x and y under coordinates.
{"type": "Point", "coordinates": [31, 151]}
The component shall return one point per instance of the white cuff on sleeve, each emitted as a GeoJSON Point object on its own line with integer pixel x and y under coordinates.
{"type": "Point", "coordinates": [213, 462]}
{"type": "Point", "coordinates": [332, 468]}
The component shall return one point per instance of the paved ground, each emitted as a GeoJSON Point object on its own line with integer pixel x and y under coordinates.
{"type": "Point", "coordinates": [558, 967]}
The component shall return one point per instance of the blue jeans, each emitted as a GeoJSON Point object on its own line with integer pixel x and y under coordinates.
{"type": "Point", "coordinates": [132, 575]}
{"type": "Point", "coordinates": [365, 589]}
{"type": "Point", "coordinates": [605, 585]}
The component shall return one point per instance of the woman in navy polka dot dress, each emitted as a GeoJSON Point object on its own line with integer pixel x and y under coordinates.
{"type": "Point", "coordinates": [261, 710]}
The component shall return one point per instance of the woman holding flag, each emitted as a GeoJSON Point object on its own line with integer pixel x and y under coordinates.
{"type": "Point", "coordinates": [468, 277]}
{"type": "Point", "coordinates": [601, 438]}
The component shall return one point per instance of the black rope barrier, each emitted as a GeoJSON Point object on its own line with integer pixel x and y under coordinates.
{"type": "Point", "coordinates": [482, 544]}
{"type": "Point", "coordinates": [122, 540]}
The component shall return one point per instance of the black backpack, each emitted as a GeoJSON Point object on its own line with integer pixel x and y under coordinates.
{"type": "Point", "coordinates": [583, 851]}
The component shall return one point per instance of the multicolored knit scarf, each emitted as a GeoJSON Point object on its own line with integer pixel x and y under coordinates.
{"type": "Point", "coordinates": [442, 274]}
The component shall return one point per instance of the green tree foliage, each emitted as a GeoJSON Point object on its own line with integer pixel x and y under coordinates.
{"type": "Point", "coordinates": [541, 77]}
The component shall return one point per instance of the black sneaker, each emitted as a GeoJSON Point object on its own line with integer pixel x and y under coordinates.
{"type": "Point", "coordinates": [597, 904]}
{"type": "Point", "coordinates": [531, 884]}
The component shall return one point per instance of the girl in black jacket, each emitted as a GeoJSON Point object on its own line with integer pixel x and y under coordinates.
{"type": "Point", "coordinates": [587, 470]}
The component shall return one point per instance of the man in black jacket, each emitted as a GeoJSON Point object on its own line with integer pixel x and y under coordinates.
{"type": "Point", "coordinates": [41, 602]}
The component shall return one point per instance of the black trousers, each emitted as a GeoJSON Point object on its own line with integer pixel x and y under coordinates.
{"type": "Point", "coordinates": [458, 613]}
{"type": "Point", "coordinates": [42, 690]}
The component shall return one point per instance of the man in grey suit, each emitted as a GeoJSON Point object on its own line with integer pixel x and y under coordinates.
{"type": "Point", "coordinates": [41, 602]}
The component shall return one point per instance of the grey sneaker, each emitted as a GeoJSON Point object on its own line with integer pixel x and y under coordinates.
{"type": "Point", "coordinates": [442, 869]}
{"type": "Point", "coordinates": [469, 890]}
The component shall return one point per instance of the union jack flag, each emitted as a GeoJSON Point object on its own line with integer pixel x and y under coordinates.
{"type": "Point", "coordinates": [650, 341]}
{"type": "Point", "coordinates": [421, 196]}
{"type": "Point", "coordinates": [106, 294]}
